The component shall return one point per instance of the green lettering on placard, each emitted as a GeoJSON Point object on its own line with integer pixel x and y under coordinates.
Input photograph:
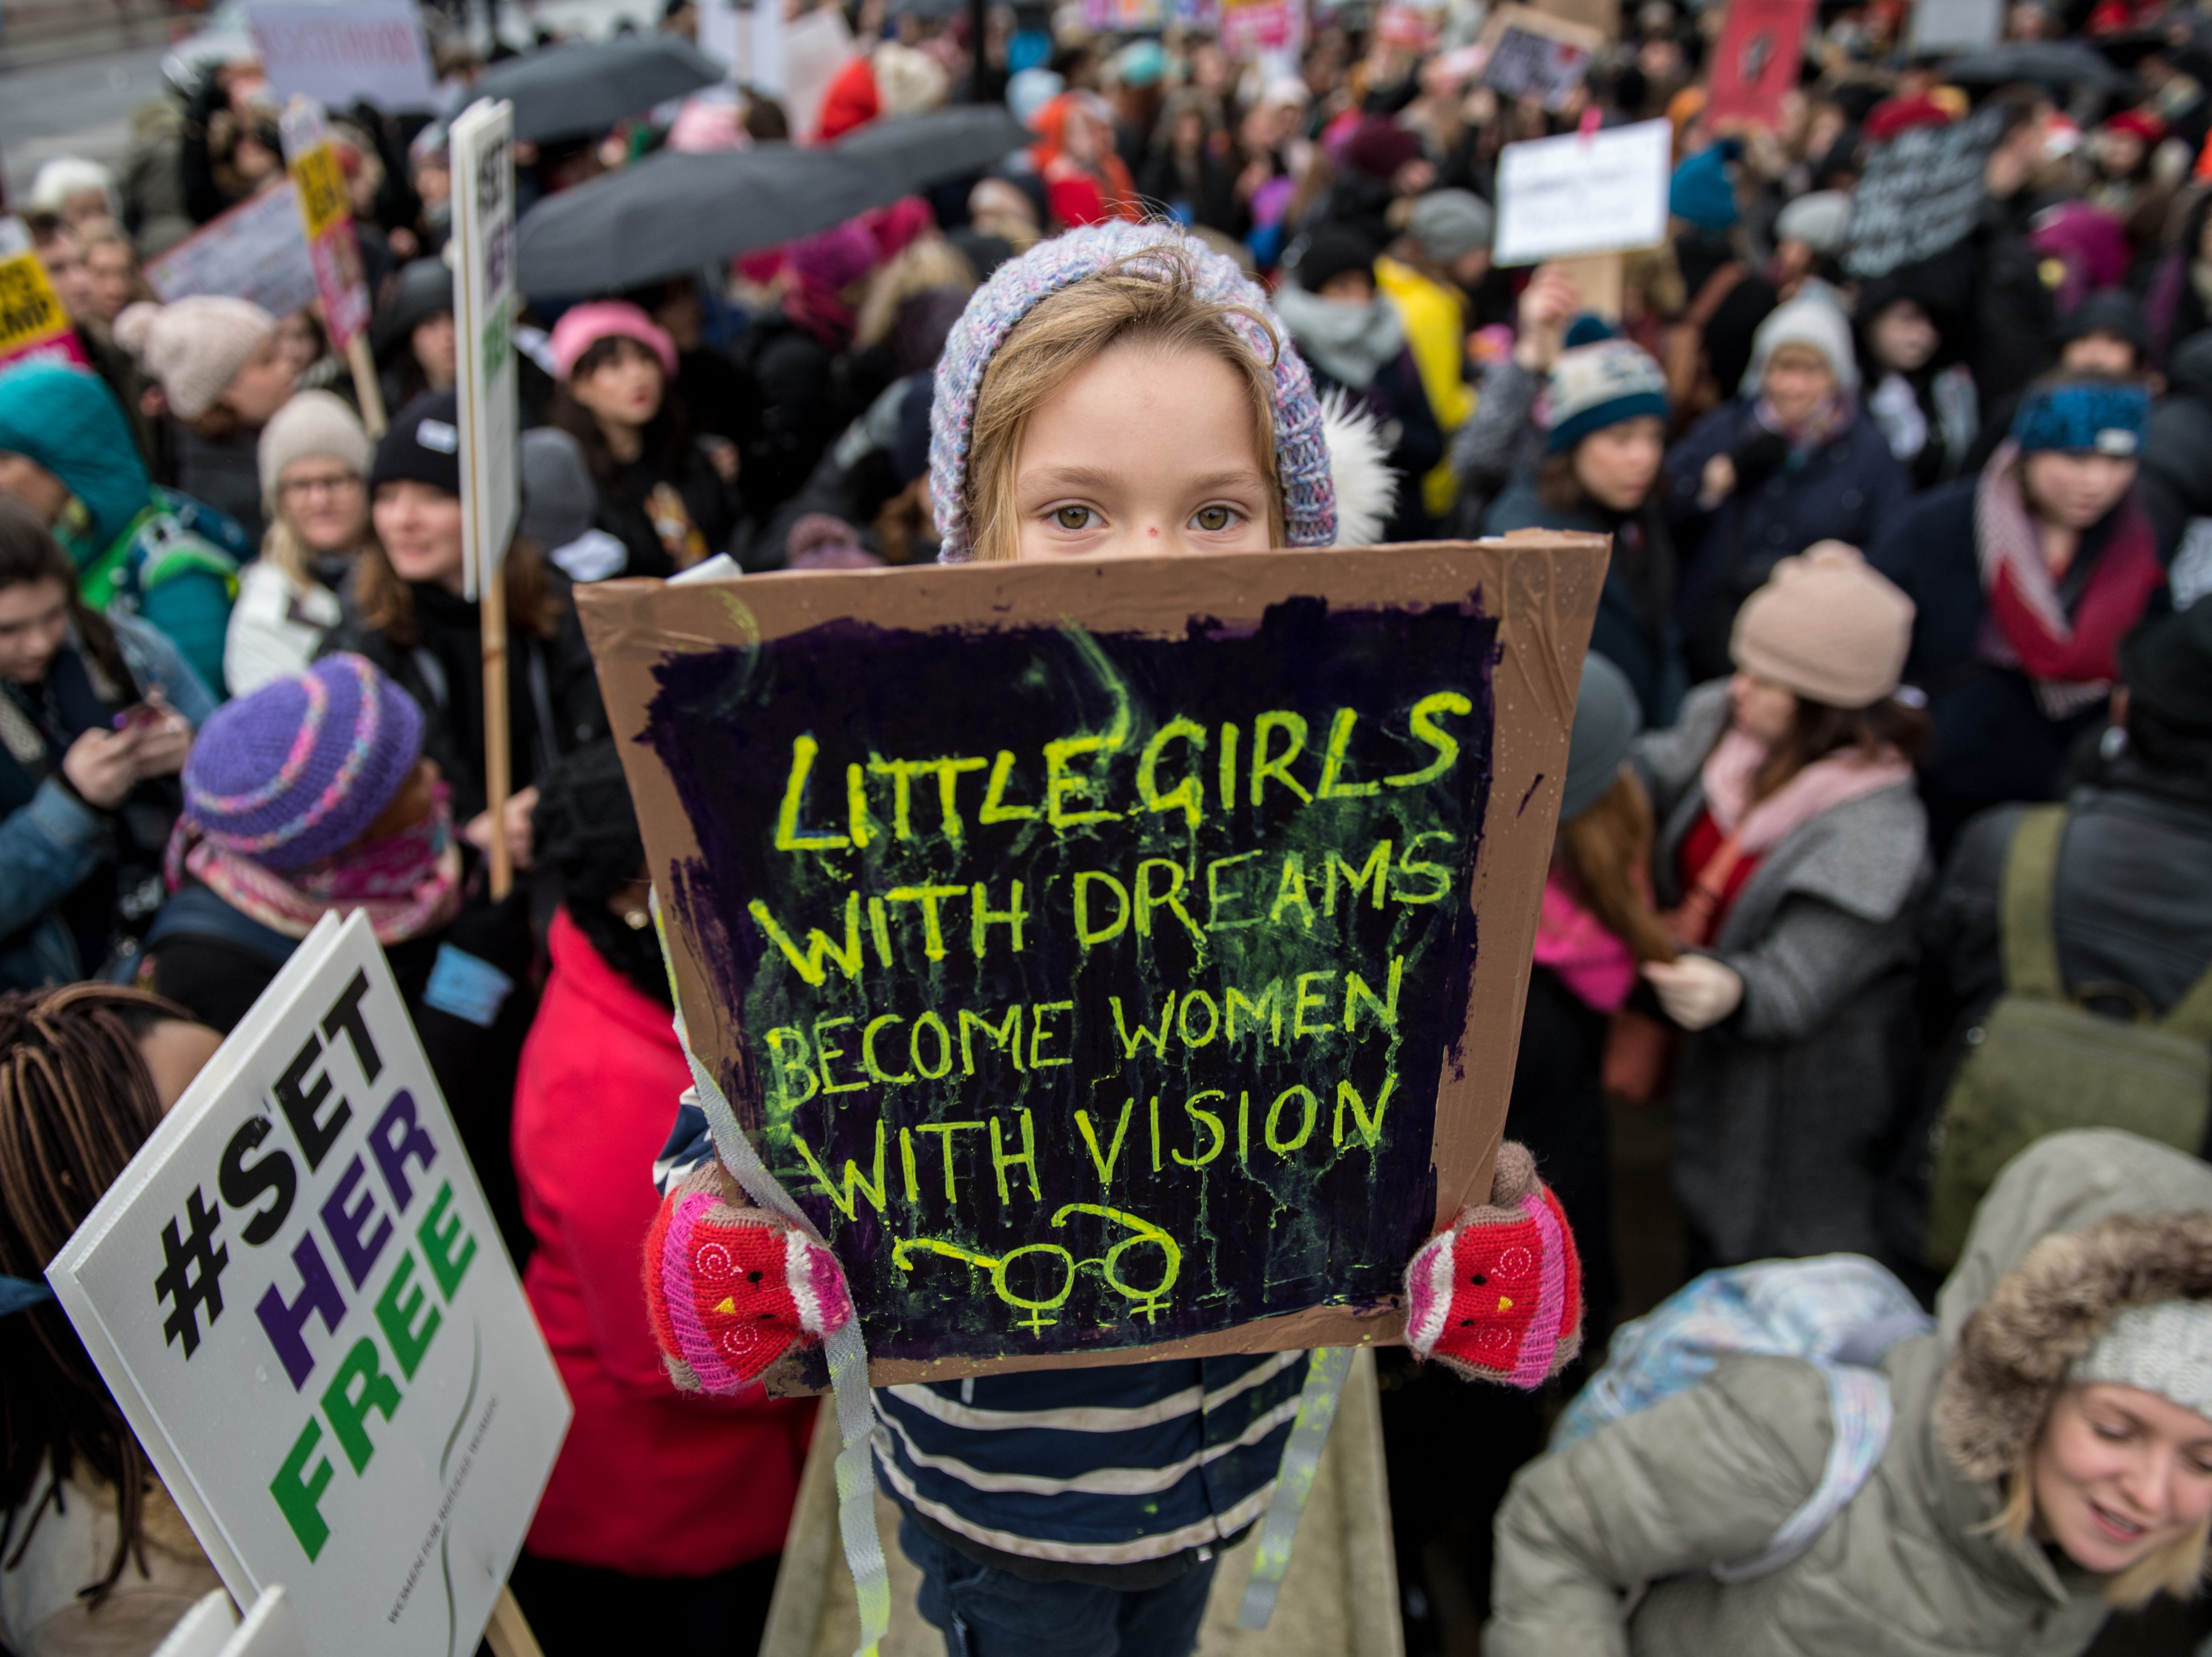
{"type": "Point", "coordinates": [407, 1326]}
{"type": "Point", "coordinates": [347, 1410]}
{"type": "Point", "coordinates": [445, 1248]}
{"type": "Point", "coordinates": [297, 1498]}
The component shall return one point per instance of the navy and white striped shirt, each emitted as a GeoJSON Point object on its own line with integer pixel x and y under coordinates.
{"type": "Point", "coordinates": [1095, 1467]}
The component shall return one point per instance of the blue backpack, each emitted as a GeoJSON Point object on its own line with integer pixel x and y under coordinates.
{"type": "Point", "coordinates": [1839, 1313]}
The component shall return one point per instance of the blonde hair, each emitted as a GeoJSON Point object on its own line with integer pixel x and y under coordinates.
{"type": "Point", "coordinates": [926, 262]}
{"type": "Point", "coordinates": [281, 547]}
{"type": "Point", "coordinates": [2178, 1568]}
{"type": "Point", "coordinates": [1156, 304]}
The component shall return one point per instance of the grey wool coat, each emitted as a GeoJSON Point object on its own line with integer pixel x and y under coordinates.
{"type": "Point", "coordinates": [1604, 1548]}
{"type": "Point", "coordinates": [1780, 1108]}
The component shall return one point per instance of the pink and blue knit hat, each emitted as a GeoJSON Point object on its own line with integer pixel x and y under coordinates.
{"type": "Point", "coordinates": [1302, 455]}
{"type": "Point", "coordinates": [299, 768]}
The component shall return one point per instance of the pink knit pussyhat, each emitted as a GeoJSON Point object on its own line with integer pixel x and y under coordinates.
{"type": "Point", "coordinates": [583, 326]}
{"type": "Point", "coordinates": [1301, 448]}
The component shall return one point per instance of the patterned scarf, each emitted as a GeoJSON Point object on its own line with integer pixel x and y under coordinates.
{"type": "Point", "coordinates": [409, 882]}
{"type": "Point", "coordinates": [1830, 416]}
{"type": "Point", "coordinates": [2070, 660]}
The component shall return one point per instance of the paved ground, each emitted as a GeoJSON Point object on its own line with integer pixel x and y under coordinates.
{"type": "Point", "coordinates": [80, 108]}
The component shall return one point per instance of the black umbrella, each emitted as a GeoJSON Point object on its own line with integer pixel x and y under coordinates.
{"type": "Point", "coordinates": [943, 143]}
{"type": "Point", "coordinates": [571, 91]}
{"type": "Point", "coordinates": [2040, 62]}
{"type": "Point", "coordinates": [672, 213]}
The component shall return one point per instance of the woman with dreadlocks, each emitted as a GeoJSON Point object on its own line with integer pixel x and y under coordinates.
{"type": "Point", "coordinates": [96, 1561]}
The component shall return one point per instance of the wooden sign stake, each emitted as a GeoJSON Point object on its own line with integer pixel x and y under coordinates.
{"type": "Point", "coordinates": [366, 386]}
{"type": "Point", "coordinates": [508, 1632]}
{"type": "Point", "coordinates": [1599, 277]}
{"type": "Point", "coordinates": [492, 611]}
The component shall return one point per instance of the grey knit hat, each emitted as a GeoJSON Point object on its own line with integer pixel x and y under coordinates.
{"type": "Point", "coordinates": [1450, 223]}
{"type": "Point", "coordinates": [1818, 219]}
{"type": "Point", "coordinates": [2164, 1348]}
{"type": "Point", "coordinates": [312, 423]}
{"type": "Point", "coordinates": [1606, 719]}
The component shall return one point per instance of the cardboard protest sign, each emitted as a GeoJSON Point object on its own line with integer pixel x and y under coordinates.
{"type": "Point", "coordinates": [298, 1297]}
{"type": "Point", "coordinates": [1760, 54]}
{"type": "Point", "coordinates": [326, 221]}
{"type": "Point", "coordinates": [256, 251]}
{"type": "Point", "coordinates": [33, 326]}
{"type": "Point", "coordinates": [1940, 25]}
{"type": "Point", "coordinates": [335, 54]}
{"type": "Point", "coordinates": [748, 39]}
{"type": "Point", "coordinates": [1921, 193]}
{"type": "Point", "coordinates": [1117, 957]}
{"type": "Point", "coordinates": [1126, 16]}
{"type": "Point", "coordinates": [1254, 28]}
{"type": "Point", "coordinates": [482, 143]}
{"type": "Point", "coordinates": [1529, 55]}
{"type": "Point", "coordinates": [1597, 192]}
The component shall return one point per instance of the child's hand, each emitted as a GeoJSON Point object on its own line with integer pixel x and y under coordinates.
{"type": "Point", "coordinates": [1499, 1297]}
{"type": "Point", "coordinates": [731, 1290]}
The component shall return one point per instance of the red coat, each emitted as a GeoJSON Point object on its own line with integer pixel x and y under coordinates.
{"type": "Point", "coordinates": [651, 1481]}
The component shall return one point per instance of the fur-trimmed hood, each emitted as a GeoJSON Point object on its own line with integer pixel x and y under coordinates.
{"type": "Point", "coordinates": [2079, 1226]}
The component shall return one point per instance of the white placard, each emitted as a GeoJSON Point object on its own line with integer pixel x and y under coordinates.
{"type": "Point", "coordinates": [256, 250]}
{"type": "Point", "coordinates": [815, 47]}
{"type": "Point", "coordinates": [203, 1631]}
{"type": "Point", "coordinates": [335, 54]}
{"type": "Point", "coordinates": [747, 40]}
{"type": "Point", "coordinates": [1605, 192]}
{"type": "Point", "coordinates": [297, 1296]}
{"type": "Point", "coordinates": [482, 142]}
{"type": "Point", "coordinates": [1954, 26]}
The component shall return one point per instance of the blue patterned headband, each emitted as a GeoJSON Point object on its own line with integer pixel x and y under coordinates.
{"type": "Point", "coordinates": [2095, 416]}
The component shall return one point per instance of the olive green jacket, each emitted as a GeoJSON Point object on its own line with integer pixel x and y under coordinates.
{"type": "Point", "coordinates": [1603, 1548]}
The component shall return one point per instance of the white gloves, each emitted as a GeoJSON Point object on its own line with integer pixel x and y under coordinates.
{"type": "Point", "coordinates": [1697, 991]}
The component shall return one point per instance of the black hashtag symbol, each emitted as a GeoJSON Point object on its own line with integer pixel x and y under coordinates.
{"type": "Point", "coordinates": [199, 1256]}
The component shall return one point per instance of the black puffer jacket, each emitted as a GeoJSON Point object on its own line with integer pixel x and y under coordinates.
{"type": "Point", "coordinates": [2177, 484]}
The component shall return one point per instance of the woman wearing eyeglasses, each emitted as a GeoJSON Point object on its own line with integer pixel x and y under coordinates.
{"type": "Point", "coordinates": [315, 457]}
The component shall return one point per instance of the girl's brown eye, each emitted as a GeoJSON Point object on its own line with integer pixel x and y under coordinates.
{"type": "Point", "coordinates": [1072, 518]}
{"type": "Point", "coordinates": [1214, 519]}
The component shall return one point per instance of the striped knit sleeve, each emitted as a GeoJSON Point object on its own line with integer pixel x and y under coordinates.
{"type": "Point", "coordinates": [689, 1144]}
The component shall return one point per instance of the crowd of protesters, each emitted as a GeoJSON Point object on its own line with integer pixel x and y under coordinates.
{"type": "Point", "coordinates": [1897, 560]}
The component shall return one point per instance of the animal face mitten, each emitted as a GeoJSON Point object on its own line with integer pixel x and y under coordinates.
{"type": "Point", "coordinates": [1499, 1297]}
{"type": "Point", "coordinates": [730, 1290]}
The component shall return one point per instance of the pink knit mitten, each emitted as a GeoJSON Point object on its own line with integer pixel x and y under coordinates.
{"type": "Point", "coordinates": [1499, 1297]}
{"type": "Point", "coordinates": [730, 1290]}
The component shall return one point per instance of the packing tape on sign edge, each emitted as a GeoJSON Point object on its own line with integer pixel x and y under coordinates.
{"type": "Point", "coordinates": [845, 1352]}
{"type": "Point", "coordinates": [1327, 1369]}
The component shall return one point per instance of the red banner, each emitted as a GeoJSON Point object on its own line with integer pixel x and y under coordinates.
{"type": "Point", "coordinates": [1757, 63]}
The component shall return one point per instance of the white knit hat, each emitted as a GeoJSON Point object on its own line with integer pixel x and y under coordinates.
{"type": "Point", "coordinates": [314, 423]}
{"type": "Point", "coordinates": [2164, 1348]}
{"type": "Point", "coordinates": [1808, 320]}
{"type": "Point", "coordinates": [196, 347]}
{"type": "Point", "coordinates": [66, 176]}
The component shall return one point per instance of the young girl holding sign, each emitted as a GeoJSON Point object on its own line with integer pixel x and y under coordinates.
{"type": "Point", "coordinates": [1116, 390]}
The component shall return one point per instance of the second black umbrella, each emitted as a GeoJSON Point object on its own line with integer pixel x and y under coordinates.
{"type": "Point", "coordinates": [672, 212]}
{"type": "Point", "coordinates": [573, 91]}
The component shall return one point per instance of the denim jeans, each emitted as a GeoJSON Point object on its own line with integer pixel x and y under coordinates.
{"type": "Point", "coordinates": [987, 1612]}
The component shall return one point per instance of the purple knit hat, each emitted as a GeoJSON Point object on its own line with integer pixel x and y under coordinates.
{"type": "Point", "coordinates": [1301, 454]}
{"type": "Point", "coordinates": [299, 768]}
